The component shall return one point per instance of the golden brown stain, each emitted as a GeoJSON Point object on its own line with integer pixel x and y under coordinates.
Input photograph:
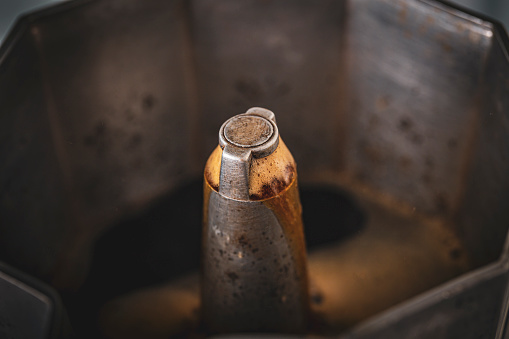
{"type": "Point", "coordinates": [394, 258]}
{"type": "Point", "coordinates": [268, 176]}
{"type": "Point", "coordinates": [207, 190]}
{"type": "Point", "coordinates": [273, 181]}
{"type": "Point", "coordinates": [213, 168]}
{"type": "Point", "coordinates": [276, 186]}
{"type": "Point", "coordinates": [288, 210]}
{"type": "Point", "coordinates": [167, 311]}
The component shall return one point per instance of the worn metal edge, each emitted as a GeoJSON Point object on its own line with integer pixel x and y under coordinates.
{"type": "Point", "coordinates": [426, 299]}
{"type": "Point", "coordinates": [43, 292]}
{"type": "Point", "coordinates": [24, 21]}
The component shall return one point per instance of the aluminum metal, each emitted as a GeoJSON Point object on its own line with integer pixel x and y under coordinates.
{"type": "Point", "coordinates": [109, 106]}
{"type": "Point", "coordinates": [30, 309]}
{"type": "Point", "coordinates": [254, 276]}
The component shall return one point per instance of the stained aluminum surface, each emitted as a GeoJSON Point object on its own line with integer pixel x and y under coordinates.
{"type": "Point", "coordinates": [108, 105]}
{"type": "Point", "coordinates": [254, 263]}
{"type": "Point", "coordinates": [249, 284]}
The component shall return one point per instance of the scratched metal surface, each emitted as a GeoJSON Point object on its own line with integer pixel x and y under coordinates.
{"type": "Point", "coordinates": [414, 94]}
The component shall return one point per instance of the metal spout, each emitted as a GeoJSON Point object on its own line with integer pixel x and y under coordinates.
{"type": "Point", "coordinates": [254, 276]}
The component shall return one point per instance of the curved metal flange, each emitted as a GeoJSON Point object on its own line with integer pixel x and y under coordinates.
{"type": "Point", "coordinates": [242, 137]}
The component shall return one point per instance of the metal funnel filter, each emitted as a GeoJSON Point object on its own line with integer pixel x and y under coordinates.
{"type": "Point", "coordinates": [109, 110]}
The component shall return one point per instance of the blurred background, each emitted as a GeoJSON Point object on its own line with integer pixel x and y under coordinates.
{"type": "Point", "coordinates": [10, 9]}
